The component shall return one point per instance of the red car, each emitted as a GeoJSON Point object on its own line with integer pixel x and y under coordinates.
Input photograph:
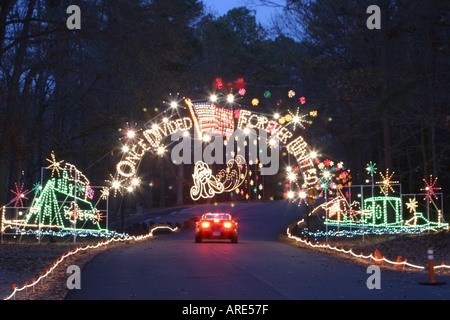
{"type": "Point", "coordinates": [216, 226]}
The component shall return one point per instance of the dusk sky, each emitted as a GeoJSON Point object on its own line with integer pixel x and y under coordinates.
{"type": "Point", "coordinates": [263, 13]}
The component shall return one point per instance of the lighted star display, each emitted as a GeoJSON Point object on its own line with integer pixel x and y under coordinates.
{"type": "Point", "coordinates": [301, 196]}
{"type": "Point", "coordinates": [104, 193]}
{"type": "Point", "coordinates": [89, 192]}
{"type": "Point", "coordinates": [412, 205]}
{"type": "Point", "coordinates": [116, 185]}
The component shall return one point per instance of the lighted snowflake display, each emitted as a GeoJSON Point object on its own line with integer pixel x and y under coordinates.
{"type": "Point", "coordinates": [89, 192]}
{"type": "Point", "coordinates": [54, 165]}
{"type": "Point", "coordinates": [371, 168]}
{"type": "Point", "coordinates": [295, 119]}
{"type": "Point", "coordinates": [430, 189]}
{"type": "Point", "coordinates": [387, 182]}
{"type": "Point", "coordinates": [20, 195]}
{"type": "Point", "coordinates": [130, 133]}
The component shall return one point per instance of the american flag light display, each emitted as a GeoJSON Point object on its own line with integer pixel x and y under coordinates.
{"type": "Point", "coordinates": [214, 120]}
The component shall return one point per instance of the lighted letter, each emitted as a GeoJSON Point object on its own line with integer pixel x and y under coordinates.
{"type": "Point", "coordinates": [374, 21]}
{"type": "Point", "coordinates": [298, 149]}
{"type": "Point", "coordinates": [153, 137]}
{"type": "Point", "coordinates": [284, 134]}
{"type": "Point", "coordinates": [187, 124]}
{"type": "Point", "coordinates": [74, 21]}
{"type": "Point", "coordinates": [243, 118]}
{"type": "Point", "coordinates": [131, 169]}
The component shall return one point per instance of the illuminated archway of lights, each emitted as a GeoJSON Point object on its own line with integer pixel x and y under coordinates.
{"type": "Point", "coordinates": [206, 118]}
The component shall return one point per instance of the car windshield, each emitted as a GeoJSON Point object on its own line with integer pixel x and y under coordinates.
{"type": "Point", "coordinates": [221, 216]}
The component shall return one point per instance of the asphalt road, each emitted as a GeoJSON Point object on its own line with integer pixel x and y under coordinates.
{"type": "Point", "coordinates": [259, 267]}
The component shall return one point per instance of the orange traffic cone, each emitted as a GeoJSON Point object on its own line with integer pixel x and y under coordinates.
{"type": "Point", "coordinates": [399, 262]}
{"type": "Point", "coordinates": [378, 256]}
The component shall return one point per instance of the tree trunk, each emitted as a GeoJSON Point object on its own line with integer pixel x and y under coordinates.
{"type": "Point", "coordinates": [162, 184]}
{"type": "Point", "coordinates": [180, 184]}
{"type": "Point", "coordinates": [11, 101]}
{"type": "Point", "coordinates": [385, 75]}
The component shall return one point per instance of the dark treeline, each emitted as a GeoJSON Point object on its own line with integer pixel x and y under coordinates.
{"type": "Point", "coordinates": [386, 91]}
